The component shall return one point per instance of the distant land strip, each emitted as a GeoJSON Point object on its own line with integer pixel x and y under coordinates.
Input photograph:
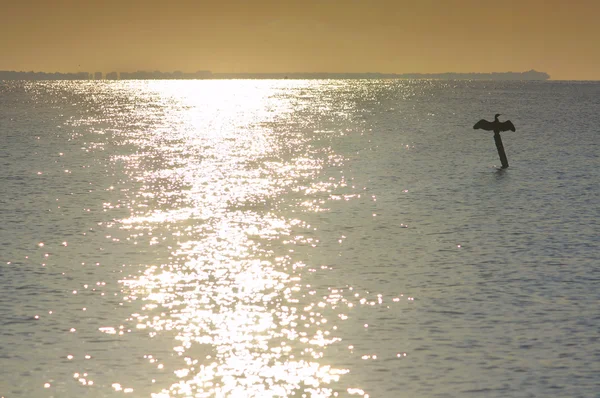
{"type": "Point", "coordinates": [205, 74]}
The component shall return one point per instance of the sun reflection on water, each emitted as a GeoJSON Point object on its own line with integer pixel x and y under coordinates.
{"type": "Point", "coordinates": [210, 177]}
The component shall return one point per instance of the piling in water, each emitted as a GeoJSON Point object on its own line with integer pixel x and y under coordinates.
{"type": "Point", "coordinates": [500, 148]}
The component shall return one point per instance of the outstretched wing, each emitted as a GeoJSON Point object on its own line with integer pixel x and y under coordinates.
{"type": "Point", "coordinates": [485, 125]}
{"type": "Point", "coordinates": [507, 125]}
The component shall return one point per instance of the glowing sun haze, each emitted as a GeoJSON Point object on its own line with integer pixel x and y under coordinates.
{"type": "Point", "coordinates": [392, 36]}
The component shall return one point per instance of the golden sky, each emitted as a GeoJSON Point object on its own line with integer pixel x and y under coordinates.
{"type": "Point", "coordinates": [560, 37]}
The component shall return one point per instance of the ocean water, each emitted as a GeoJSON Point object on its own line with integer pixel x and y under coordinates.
{"type": "Point", "coordinates": [336, 238]}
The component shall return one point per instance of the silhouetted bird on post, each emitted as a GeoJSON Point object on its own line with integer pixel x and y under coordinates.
{"type": "Point", "coordinates": [497, 126]}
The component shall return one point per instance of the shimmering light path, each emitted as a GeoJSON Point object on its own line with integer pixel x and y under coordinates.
{"type": "Point", "coordinates": [224, 189]}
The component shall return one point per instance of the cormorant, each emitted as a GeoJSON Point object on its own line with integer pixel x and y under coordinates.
{"type": "Point", "coordinates": [496, 126]}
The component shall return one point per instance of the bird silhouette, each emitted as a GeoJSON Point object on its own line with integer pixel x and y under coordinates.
{"type": "Point", "coordinates": [496, 126]}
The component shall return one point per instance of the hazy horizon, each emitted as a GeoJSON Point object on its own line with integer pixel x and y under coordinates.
{"type": "Point", "coordinates": [205, 74]}
{"type": "Point", "coordinates": [335, 36]}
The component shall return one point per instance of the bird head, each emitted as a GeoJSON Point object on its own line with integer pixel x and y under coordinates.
{"type": "Point", "coordinates": [497, 114]}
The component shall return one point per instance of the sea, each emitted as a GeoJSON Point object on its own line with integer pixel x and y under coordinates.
{"type": "Point", "coordinates": [299, 238]}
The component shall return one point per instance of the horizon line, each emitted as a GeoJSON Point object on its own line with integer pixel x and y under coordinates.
{"type": "Point", "coordinates": [269, 72]}
{"type": "Point", "coordinates": [207, 74]}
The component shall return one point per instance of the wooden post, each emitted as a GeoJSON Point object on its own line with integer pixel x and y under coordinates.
{"type": "Point", "coordinates": [500, 148]}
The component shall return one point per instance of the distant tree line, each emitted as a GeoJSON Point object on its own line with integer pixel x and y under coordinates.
{"type": "Point", "coordinates": [205, 74]}
{"type": "Point", "coordinates": [158, 75]}
{"type": "Point", "coordinates": [143, 75]}
{"type": "Point", "coordinates": [13, 75]}
{"type": "Point", "coordinates": [529, 75]}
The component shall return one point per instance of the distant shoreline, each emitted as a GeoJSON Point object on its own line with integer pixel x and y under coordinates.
{"type": "Point", "coordinates": [204, 74]}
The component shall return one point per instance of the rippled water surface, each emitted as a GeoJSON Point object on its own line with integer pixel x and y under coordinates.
{"type": "Point", "coordinates": [298, 238]}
